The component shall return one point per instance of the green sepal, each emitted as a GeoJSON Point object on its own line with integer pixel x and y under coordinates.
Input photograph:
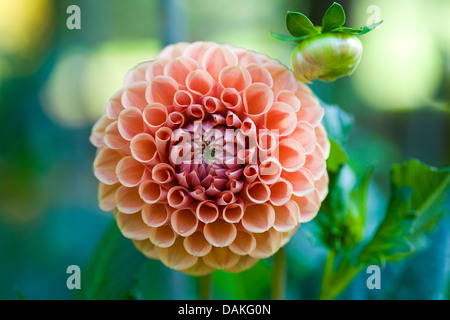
{"type": "Point", "coordinates": [333, 18]}
{"type": "Point", "coordinates": [299, 25]}
{"type": "Point", "coordinates": [282, 37]}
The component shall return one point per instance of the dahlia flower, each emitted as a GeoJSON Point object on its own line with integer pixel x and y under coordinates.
{"type": "Point", "coordinates": [211, 156]}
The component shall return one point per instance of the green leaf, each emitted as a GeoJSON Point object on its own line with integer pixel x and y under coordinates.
{"type": "Point", "coordinates": [337, 122]}
{"type": "Point", "coordinates": [282, 37]}
{"type": "Point", "coordinates": [415, 207]}
{"type": "Point", "coordinates": [344, 210]}
{"type": "Point", "coordinates": [299, 25]}
{"type": "Point", "coordinates": [333, 18]}
{"type": "Point", "coordinates": [337, 156]}
{"type": "Point", "coordinates": [111, 271]}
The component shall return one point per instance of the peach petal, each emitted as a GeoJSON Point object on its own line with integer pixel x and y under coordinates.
{"type": "Point", "coordinates": [281, 118]}
{"type": "Point", "coordinates": [155, 215]}
{"type": "Point", "coordinates": [305, 134]}
{"type": "Point", "coordinates": [162, 89]}
{"type": "Point", "coordinates": [258, 218]}
{"type": "Point", "coordinates": [291, 155]}
{"type": "Point", "coordinates": [179, 198]}
{"type": "Point", "coordinates": [289, 98]}
{"type": "Point", "coordinates": [163, 141]}
{"type": "Point", "coordinates": [232, 120]}
{"type": "Point", "coordinates": [269, 170]}
{"type": "Point", "coordinates": [322, 186]}
{"type": "Point", "coordinates": [250, 173]}
{"type": "Point", "coordinates": [114, 106]}
{"type": "Point", "coordinates": [179, 68]}
{"type": "Point", "coordinates": [310, 111]}
{"type": "Point", "coordinates": [283, 78]}
{"type": "Point", "coordinates": [196, 111]}
{"type": "Point", "coordinates": [175, 120]}
{"type": "Point", "coordinates": [176, 257]}
{"type": "Point", "coordinates": [184, 222]}
{"type": "Point", "coordinates": [155, 116]}
{"type": "Point", "coordinates": [130, 123]}
{"type": "Point", "coordinates": [200, 83]}
{"type": "Point", "coordinates": [163, 173]}
{"type": "Point", "coordinates": [155, 68]}
{"type": "Point", "coordinates": [146, 247]}
{"type": "Point", "coordinates": [226, 197]}
{"type": "Point", "coordinates": [134, 95]}
{"type": "Point", "coordinates": [162, 236]}
{"type": "Point", "coordinates": [113, 139]}
{"type": "Point", "coordinates": [309, 206]}
{"type": "Point", "coordinates": [136, 74]}
{"type": "Point", "coordinates": [207, 211]}
{"type": "Point", "coordinates": [245, 263]}
{"type": "Point", "coordinates": [217, 58]}
{"type": "Point", "coordinates": [105, 164]}
{"type": "Point", "coordinates": [280, 192]}
{"type": "Point", "coordinates": [182, 100]}
{"type": "Point", "coordinates": [248, 127]}
{"type": "Point", "coordinates": [246, 57]}
{"type": "Point", "coordinates": [257, 99]}
{"type": "Point", "coordinates": [130, 172]}
{"type": "Point", "coordinates": [315, 162]}
{"type": "Point", "coordinates": [221, 258]}
{"type": "Point", "coordinates": [260, 74]}
{"type": "Point", "coordinates": [143, 148]}
{"type": "Point", "coordinates": [106, 196]}
{"type": "Point", "coordinates": [243, 244]}
{"type": "Point", "coordinates": [236, 77]}
{"type": "Point", "coordinates": [213, 105]}
{"type": "Point", "coordinates": [232, 100]}
{"type": "Point", "coordinates": [131, 226]}
{"type": "Point", "coordinates": [287, 216]}
{"type": "Point", "coordinates": [196, 50]}
{"type": "Point", "coordinates": [197, 245]}
{"type": "Point", "coordinates": [301, 180]}
{"type": "Point", "coordinates": [220, 233]}
{"type": "Point", "coordinates": [173, 50]}
{"type": "Point", "coordinates": [322, 140]}
{"type": "Point", "coordinates": [199, 269]}
{"type": "Point", "coordinates": [128, 200]}
{"type": "Point", "coordinates": [98, 131]}
{"type": "Point", "coordinates": [233, 212]}
{"type": "Point", "coordinates": [267, 143]}
{"type": "Point", "coordinates": [152, 192]}
{"type": "Point", "coordinates": [267, 243]}
{"type": "Point", "coordinates": [257, 192]}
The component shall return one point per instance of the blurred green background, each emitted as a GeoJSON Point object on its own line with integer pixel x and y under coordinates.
{"type": "Point", "coordinates": [54, 83]}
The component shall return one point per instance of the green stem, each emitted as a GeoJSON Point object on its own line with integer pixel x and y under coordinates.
{"type": "Point", "coordinates": [279, 276]}
{"type": "Point", "coordinates": [204, 287]}
{"type": "Point", "coordinates": [334, 283]}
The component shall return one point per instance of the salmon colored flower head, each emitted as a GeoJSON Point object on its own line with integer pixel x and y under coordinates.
{"type": "Point", "coordinates": [211, 156]}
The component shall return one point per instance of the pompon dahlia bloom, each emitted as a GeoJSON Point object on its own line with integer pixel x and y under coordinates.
{"type": "Point", "coordinates": [211, 156]}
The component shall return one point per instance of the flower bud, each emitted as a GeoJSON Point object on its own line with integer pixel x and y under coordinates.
{"type": "Point", "coordinates": [326, 57]}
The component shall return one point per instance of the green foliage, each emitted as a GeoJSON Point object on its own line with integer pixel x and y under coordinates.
{"type": "Point", "coordinates": [416, 205]}
{"type": "Point", "coordinates": [301, 28]}
{"type": "Point", "coordinates": [111, 271]}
